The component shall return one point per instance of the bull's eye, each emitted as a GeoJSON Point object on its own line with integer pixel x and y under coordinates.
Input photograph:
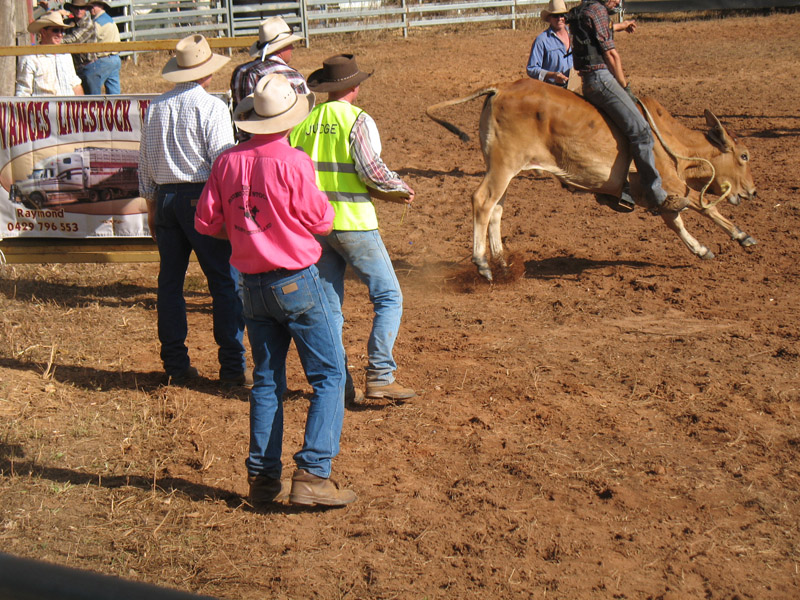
{"type": "Point", "coordinates": [745, 158]}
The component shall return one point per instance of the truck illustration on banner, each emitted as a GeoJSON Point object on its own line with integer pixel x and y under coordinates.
{"type": "Point", "coordinates": [84, 175]}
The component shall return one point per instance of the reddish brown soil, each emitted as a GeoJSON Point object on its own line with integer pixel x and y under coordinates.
{"type": "Point", "coordinates": [618, 420]}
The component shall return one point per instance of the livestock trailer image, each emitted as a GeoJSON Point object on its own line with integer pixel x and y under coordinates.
{"type": "Point", "coordinates": [84, 175]}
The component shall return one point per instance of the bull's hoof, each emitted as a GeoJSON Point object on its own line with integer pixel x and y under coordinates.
{"type": "Point", "coordinates": [486, 273]}
{"type": "Point", "coordinates": [747, 241]}
{"type": "Point", "coordinates": [707, 255]}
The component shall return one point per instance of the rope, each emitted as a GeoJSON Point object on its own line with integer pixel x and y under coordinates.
{"type": "Point", "coordinates": [725, 186]}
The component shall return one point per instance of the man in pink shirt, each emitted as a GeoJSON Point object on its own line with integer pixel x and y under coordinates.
{"type": "Point", "coordinates": [262, 196]}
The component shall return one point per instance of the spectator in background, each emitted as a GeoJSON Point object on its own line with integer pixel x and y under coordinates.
{"type": "Point", "coordinates": [84, 32]}
{"type": "Point", "coordinates": [48, 74]}
{"type": "Point", "coordinates": [183, 133]}
{"type": "Point", "coordinates": [104, 72]}
{"type": "Point", "coordinates": [40, 8]}
{"type": "Point", "coordinates": [551, 52]}
{"type": "Point", "coordinates": [273, 51]}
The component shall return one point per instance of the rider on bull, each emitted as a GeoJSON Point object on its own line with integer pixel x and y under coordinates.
{"type": "Point", "coordinates": [596, 59]}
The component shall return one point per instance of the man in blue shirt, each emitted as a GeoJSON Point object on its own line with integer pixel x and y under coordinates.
{"type": "Point", "coordinates": [551, 53]}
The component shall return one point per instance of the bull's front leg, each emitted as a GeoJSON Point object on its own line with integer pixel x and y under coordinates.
{"type": "Point", "coordinates": [737, 234]}
{"type": "Point", "coordinates": [675, 223]}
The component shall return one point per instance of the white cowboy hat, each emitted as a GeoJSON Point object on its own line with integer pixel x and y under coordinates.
{"type": "Point", "coordinates": [51, 19]}
{"type": "Point", "coordinates": [554, 7]}
{"type": "Point", "coordinates": [193, 60]}
{"type": "Point", "coordinates": [273, 34]}
{"type": "Point", "coordinates": [273, 106]}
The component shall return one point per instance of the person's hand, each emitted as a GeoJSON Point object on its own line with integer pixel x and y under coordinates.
{"type": "Point", "coordinates": [560, 78]}
{"type": "Point", "coordinates": [629, 26]}
{"type": "Point", "coordinates": [631, 94]}
{"type": "Point", "coordinates": [151, 219]}
{"type": "Point", "coordinates": [411, 195]}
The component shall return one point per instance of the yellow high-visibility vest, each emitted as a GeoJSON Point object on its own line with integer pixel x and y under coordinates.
{"type": "Point", "coordinates": [325, 136]}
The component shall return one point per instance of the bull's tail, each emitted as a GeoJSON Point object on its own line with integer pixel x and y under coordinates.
{"type": "Point", "coordinates": [489, 91]}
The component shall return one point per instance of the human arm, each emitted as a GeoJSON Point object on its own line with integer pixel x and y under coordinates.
{"type": "Point", "coordinates": [614, 64]}
{"type": "Point", "coordinates": [365, 148]}
{"type": "Point", "coordinates": [78, 89]}
{"type": "Point", "coordinates": [25, 76]}
{"type": "Point", "coordinates": [218, 131]}
{"type": "Point", "coordinates": [151, 219]}
{"type": "Point", "coordinates": [627, 26]}
{"type": "Point", "coordinates": [209, 217]}
{"type": "Point", "coordinates": [147, 186]}
{"type": "Point", "coordinates": [310, 205]}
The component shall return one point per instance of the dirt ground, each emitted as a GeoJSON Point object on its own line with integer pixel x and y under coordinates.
{"type": "Point", "coordinates": [620, 420]}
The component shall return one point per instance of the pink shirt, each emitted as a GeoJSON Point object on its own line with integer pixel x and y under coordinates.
{"type": "Point", "coordinates": [264, 193]}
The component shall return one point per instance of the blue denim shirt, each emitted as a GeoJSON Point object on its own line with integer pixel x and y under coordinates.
{"type": "Point", "coordinates": [548, 54]}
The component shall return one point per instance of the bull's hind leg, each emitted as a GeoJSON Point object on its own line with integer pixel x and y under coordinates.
{"type": "Point", "coordinates": [485, 208]}
{"type": "Point", "coordinates": [495, 237]}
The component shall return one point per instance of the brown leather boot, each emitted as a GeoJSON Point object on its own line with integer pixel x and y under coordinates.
{"type": "Point", "coordinates": [353, 397]}
{"type": "Point", "coordinates": [393, 391]}
{"type": "Point", "coordinates": [265, 489]}
{"type": "Point", "coordinates": [310, 490]}
{"type": "Point", "coordinates": [673, 203]}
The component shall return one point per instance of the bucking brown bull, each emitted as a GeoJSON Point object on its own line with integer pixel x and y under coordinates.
{"type": "Point", "coordinates": [528, 124]}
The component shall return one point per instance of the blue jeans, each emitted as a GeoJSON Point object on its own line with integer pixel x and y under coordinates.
{"type": "Point", "coordinates": [281, 306]}
{"type": "Point", "coordinates": [603, 90]}
{"type": "Point", "coordinates": [176, 238]}
{"type": "Point", "coordinates": [100, 72]}
{"type": "Point", "coordinates": [367, 256]}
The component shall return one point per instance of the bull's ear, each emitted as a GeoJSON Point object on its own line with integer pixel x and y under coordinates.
{"type": "Point", "coordinates": [718, 135]}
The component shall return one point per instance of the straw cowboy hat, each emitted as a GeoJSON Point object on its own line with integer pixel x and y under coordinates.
{"type": "Point", "coordinates": [339, 72]}
{"type": "Point", "coordinates": [554, 7]}
{"type": "Point", "coordinates": [273, 34]}
{"type": "Point", "coordinates": [51, 19]}
{"type": "Point", "coordinates": [193, 60]}
{"type": "Point", "coordinates": [273, 106]}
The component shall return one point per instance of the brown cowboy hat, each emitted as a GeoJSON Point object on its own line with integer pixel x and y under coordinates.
{"type": "Point", "coordinates": [273, 106]}
{"type": "Point", "coordinates": [51, 19]}
{"type": "Point", "coordinates": [77, 4]}
{"type": "Point", "coordinates": [338, 72]}
{"type": "Point", "coordinates": [274, 34]}
{"type": "Point", "coordinates": [554, 7]}
{"type": "Point", "coordinates": [193, 60]}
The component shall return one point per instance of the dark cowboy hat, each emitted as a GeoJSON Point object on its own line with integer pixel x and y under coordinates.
{"type": "Point", "coordinates": [338, 72]}
{"type": "Point", "coordinates": [77, 4]}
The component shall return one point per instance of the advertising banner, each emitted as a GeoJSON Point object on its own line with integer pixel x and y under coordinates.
{"type": "Point", "coordinates": [68, 167]}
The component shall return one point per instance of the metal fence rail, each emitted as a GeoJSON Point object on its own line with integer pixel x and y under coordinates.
{"type": "Point", "coordinates": [163, 19]}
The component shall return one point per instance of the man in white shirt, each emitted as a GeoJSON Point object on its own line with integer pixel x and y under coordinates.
{"type": "Point", "coordinates": [48, 74]}
{"type": "Point", "coordinates": [184, 131]}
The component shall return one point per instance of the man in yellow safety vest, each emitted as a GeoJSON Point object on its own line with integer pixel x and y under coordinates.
{"type": "Point", "coordinates": [344, 144]}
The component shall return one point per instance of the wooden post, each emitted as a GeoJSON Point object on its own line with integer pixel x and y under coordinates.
{"type": "Point", "coordinates": [8, 35]}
